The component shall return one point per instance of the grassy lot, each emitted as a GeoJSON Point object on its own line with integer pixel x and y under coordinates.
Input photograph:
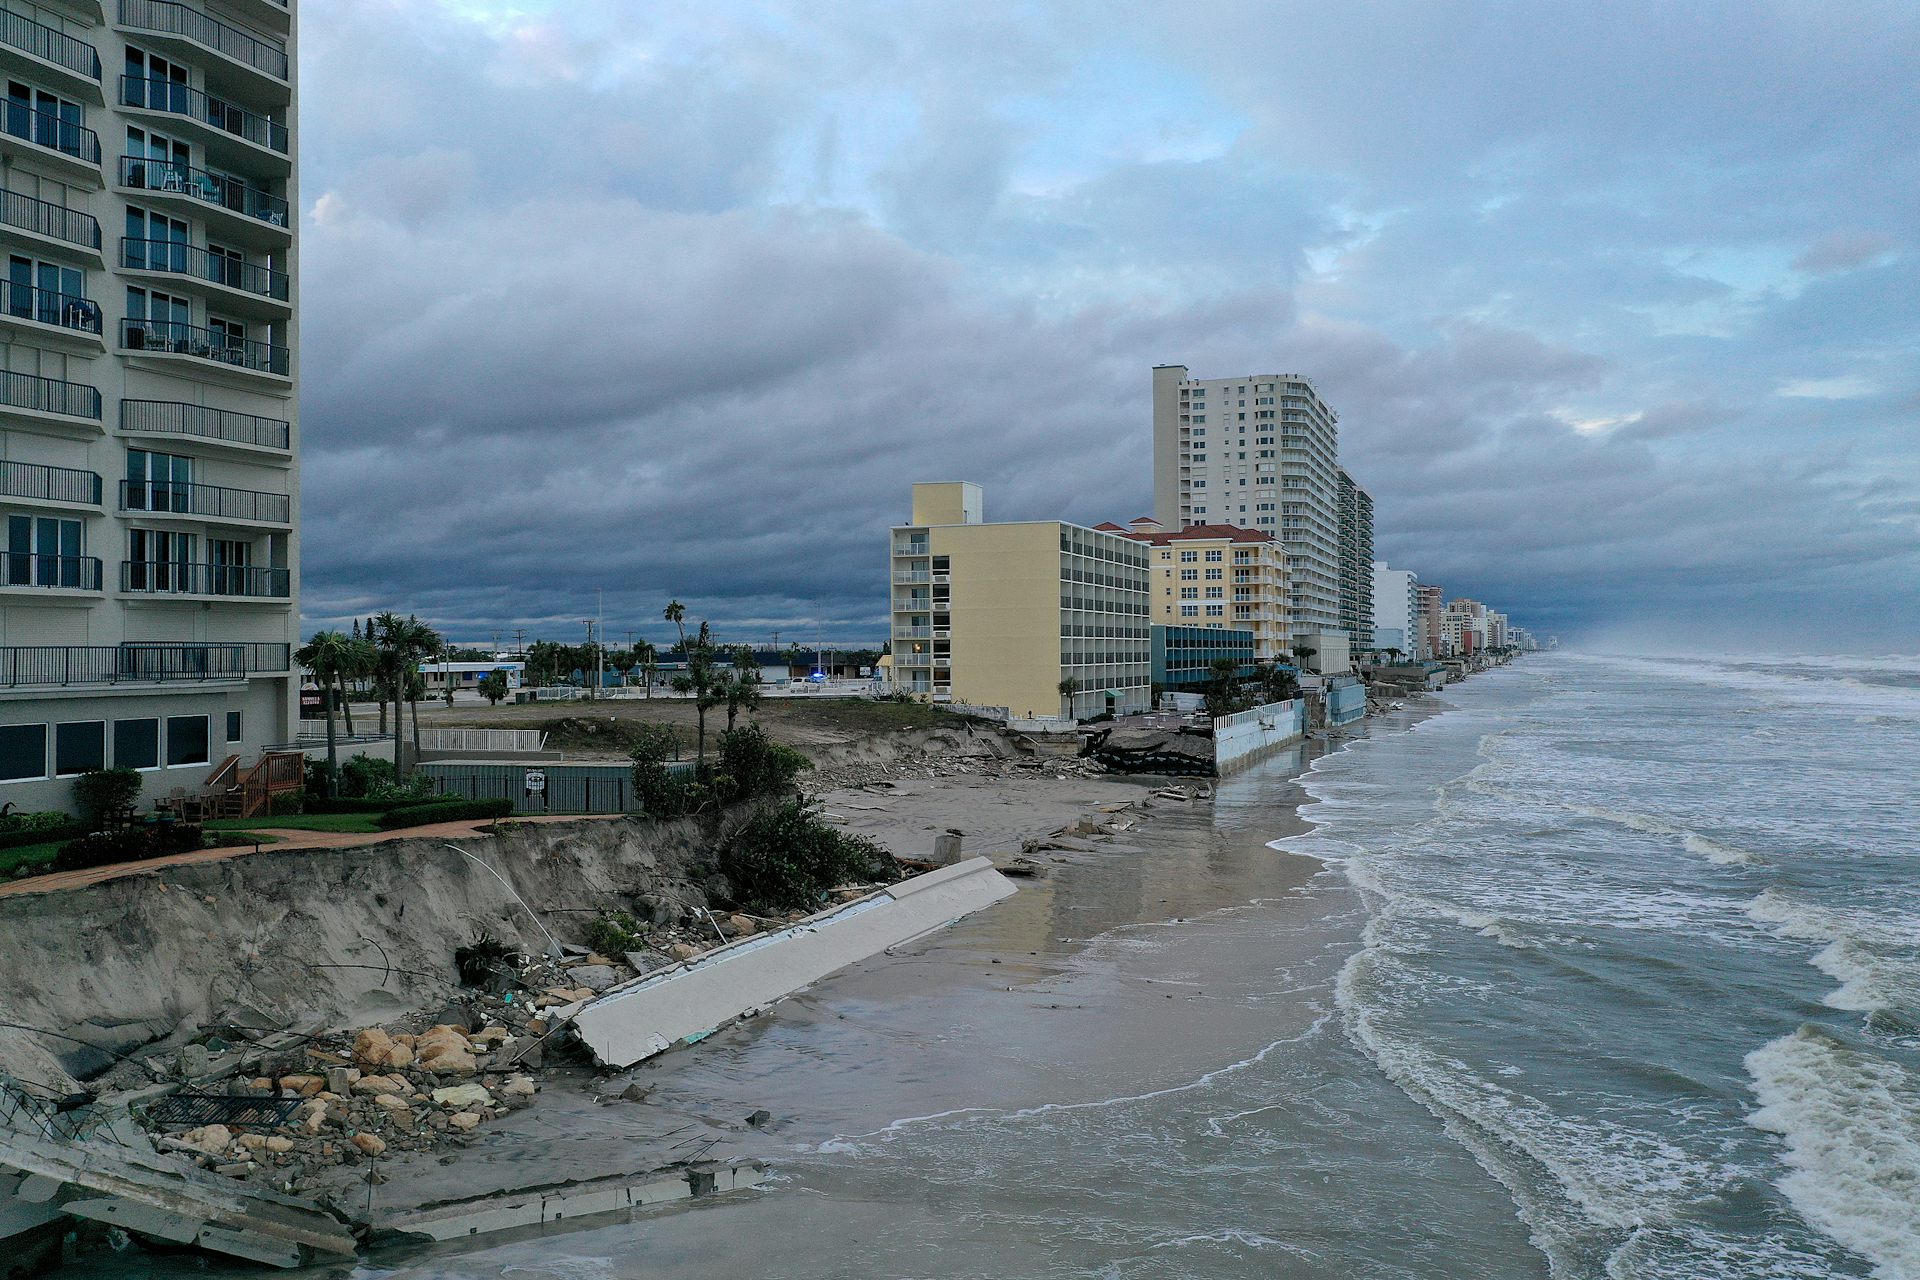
{"type": "Point", "coordinates": [350, 822]}
{"type": "Point", "coordinates": [607, 727]}
{"type": "Point", "coordinates": [27, 855]}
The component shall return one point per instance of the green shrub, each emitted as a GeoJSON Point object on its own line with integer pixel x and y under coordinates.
{"type": "Point", "coordinates": [753, 765]}
{"type": "Point", "coordinates": [786, 858]}
{"type": "Point", "coordinates": [320, 777]}
{"type": "Point", "coordinates": [362, 773]}
{"type": "Point", "coordinates": [44, 835]}
{"type": "Point", "coordinates": [127, 844]}
{"type": "Point", "coordinates": [420, 815]}
{"type": "Point", "coordinates": [286, 805]}
{"type": "Point", "coordinates": [98, 792]}
{"type": "Point", "coordinates": [320, 804]}
{"type": "Point", "coordinates": [50, 820]}
{"type": "Point", "coordinates": [614, 934]}
{"type": "Point", "coordinates": [661, 791]}
{"type": "Point", "coordinates": [418, 787]}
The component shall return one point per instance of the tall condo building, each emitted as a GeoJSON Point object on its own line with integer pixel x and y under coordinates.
{"type": "Point", "coordinates": [1260, 452]}
{"type": "Point", "coordinates": [148, 374]}
{"type": "Point", "coordinates": [1003, 615]}
{"type": "Point", "coordinates": [1396, 611]}
{"type": "Point", "coordinates": [1356, 561]}
{"type": "Point", "coordinates": [1429, 606]}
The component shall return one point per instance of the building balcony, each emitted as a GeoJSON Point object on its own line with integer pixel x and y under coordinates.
{"type": "Point", "coordinates": [911, 547]}
{"type": "Point", "coordinates": [48, 315]}
{"type": "Point", "coordinates": [913, 633]}
{"type": "Point", "coordinates": [44, 134]}
{"type": "Point", "coordinates": [54, 573]}
{"type": "Point", "coordinates": [221, 120]}
{"type": "Point", "coordinates": [29, 393]}
{"type": "Point", "coordinates": [253, 55]}
{"type": "Point", "coordinates": [912, 575]}
{"type": "Point", "coordinates": [912, 659]}
{"type": "Point", "coordinates": [244, 212]}
{"type": "Point", "coordinates": [222, 426]}
{"type": "Point", "coordinates": [171, 339]}
{"type": "Point", "coordinates": [30, 481]}
{"type": "Point", "coordinates": [139, 663]}
{"type": "Point", "coordinates": [206, 501]}
{"type": "Point", "coordinates": [234, 278]}
{"type": "Point", "coordinates": [181, 578]}
{"type": "Point", "coordinates": [50, 48]}
{"type": "Point", "coordinates": [53, 224]}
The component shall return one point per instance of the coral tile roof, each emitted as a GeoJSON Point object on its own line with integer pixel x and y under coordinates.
{"type": "Point", "coordinates": [1200, 533]}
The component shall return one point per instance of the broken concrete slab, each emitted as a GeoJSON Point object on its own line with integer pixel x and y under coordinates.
{"type": "Point", "coordinates": [539, 1206]}
{"type": "Point", "coordinates": [655, 1012]}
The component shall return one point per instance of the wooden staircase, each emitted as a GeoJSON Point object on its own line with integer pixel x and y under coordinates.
{"type": "Point", "coordinates": [234, 792]}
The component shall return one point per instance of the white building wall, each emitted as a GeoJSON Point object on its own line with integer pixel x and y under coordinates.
{"type": "Point", "coordinates": [1396, 606]}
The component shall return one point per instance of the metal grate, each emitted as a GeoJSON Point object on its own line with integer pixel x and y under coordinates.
{"type": "Point", "coordinates": [243, 1111]}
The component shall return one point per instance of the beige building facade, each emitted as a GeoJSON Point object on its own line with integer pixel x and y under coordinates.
{"type": "Point", "coordinates": [1000, 615]}
{"type": "Point", "coordinates": [149, 343]}
{"type": "Point", "coordinates": [1218, 576]}
{"type": "Point", "coordinates": [1257, 452]}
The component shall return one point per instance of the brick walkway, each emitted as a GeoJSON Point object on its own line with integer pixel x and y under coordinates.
{"type": "Point", "coordinates": [288, 839]}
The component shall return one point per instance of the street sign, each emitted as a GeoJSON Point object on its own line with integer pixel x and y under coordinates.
{"type": "Point", "coordinates": [536, 781]}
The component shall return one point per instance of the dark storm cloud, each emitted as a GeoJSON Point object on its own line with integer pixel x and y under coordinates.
{"type": "Point", "coordinates": [679, 304]}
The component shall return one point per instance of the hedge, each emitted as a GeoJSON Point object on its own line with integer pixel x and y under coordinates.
{"type": "Point", "coordinates": [127, 844]}
{"type": "Point", "coordinates": [345, 804]}
{"type": "Point", "coordinates": [45, 835]}
{"type": "Point", "coordinates": [420, 815]}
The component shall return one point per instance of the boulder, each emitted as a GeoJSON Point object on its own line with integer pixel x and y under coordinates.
{"type": "Point", "coordinates": [683, 951]}
{"type": "Point", "coordinates": [461, 1096]}
{"type": "Point", "coordinates": [279, 1145]}
{"type": "Point", "coordinates": [382, 1084]}
{"type": "Point", "coordinates": [304, 1085]}
{"type": "Point", "coordinates": [738, 926]}
{"type": "Point", "coordinates": [311, 1116]}
{"type": "Point", "coordinates": [518, 1087]}
{"type": "Point", "coordinates": [445, 1050]}
{"type": "Point", "coordinates": [393, 1102]}
{"type": "Point", "coordinates": [370, 1144]}
{"type": "Point", "coordinates": [340, 1079]}
{"type": "Point", "coordinates": [211, 1139]}
{"type": "Point", "coordinates": [371, 1048]}
{"type": "Point", "coordinates": [594, 977]}
{"type": "Point", "coordinates": [192, 1061]}
{"type": "Point", "coordinates": [464, 1121]}
{"type": "Point", "coordinates": [492, 1035]}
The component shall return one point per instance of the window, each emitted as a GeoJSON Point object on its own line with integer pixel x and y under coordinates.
{"type": "Point", "coordinates": [136, 744]}
{"type": "Point", "coordinates": [1189, 610]}
{"type": "Point", "coordinates": [186, 740]}
{"type": "Point", "coordinates": [1214, 557]}
{"type": "Point", "coordinates": [159, 481]}
{"type": "Point", "coordinates": [159, 560]}
{"type": "Point", "coordinates": [50, 293]}
{"type": "Point", "coordinates": [234, 722]}
{"type": "Point", "coordinates": [79, 747]}
{"type": "Point", "coordinates": [44, 551]}
{"type": "Point", "coordinates": [1189, 575]}
{"type": "Point", "coordinates": [45, 118]}
{"type": "Point", "coordinates": [1216, 593]}
{"type": "Point", "coordinates": [1214, 575]}
{"type": "Point", "coordinates": [1216, 611]}
{"type": "Point", "coordinates": [1189, 557]}
{"type": "Point", "coordinates": [23, 752]}
{"type": "Point", "coordinates": [1189, 593]}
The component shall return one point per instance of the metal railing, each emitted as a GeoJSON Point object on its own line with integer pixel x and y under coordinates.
{"type": "Point", "coordinates": [49, 395]}
{"type": "Point", "coordinates": [46, 306]}
{"type": "Point", "coordinates": [181, 577]}
{"type": "Point", "coordinates": [181, 258]}
{"type": "Point", "coordinates": [167, 177]}
{"type": "Point", "coordinates": [51, 220]}
{"type": "Point", "coordinates": [521, 740]}
{"type": "Point", "coordinates": [205, 500]}
{"type": "Point", "coordinates": [139, 662]}
{"type": "Point", "coordinates": [178, 338]}
{"type": "Point", "coordinates": [48, 43]}
{"type": "Point", "coordinates": [912, 575]}
{"type": "Point", "coordinates": [30, 569]}
{"type": "Point", "coordinates": [176, 98]}
{"type": "Point", "coordinates": [178, 20]}
{"type": "Point", "coordinates": [49, 484]}
{"type": "Point", "coordinates": [48, 129]}
{"type": "Point", "coordinates": [168, 417]}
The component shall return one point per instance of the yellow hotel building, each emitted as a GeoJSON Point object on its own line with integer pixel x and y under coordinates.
{"type": "Point", "coordinates": [1218, 575]}
{"type": "Point", "coordinates": [1000, 615]}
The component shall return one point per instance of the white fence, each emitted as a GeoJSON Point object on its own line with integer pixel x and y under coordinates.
{"type": "Point", "coordinates": [1245, 736]}
{"type": "Point", "coordinates": [487, 740]}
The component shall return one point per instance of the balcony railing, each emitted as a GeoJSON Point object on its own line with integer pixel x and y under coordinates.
{"type": "Point", "coordinates": [178, 20]}
{"type": "Point", "coordinates": [177, 98]}
{"type": "Point", "coordinates": [176, 338]}
{"type": "Point", "coordinates": [180, 577]}
{"type": "Point", "coordinates": [191, 260]}
{"type": "Point", "coordinates": [208, 188]}
{"type": "Point", "coordinates": [912, 633]}
{"type": "Point", "coordinates": [29, 569]}
{"type": "Point", "coordinates": [912, 659]}
{"type": "Point", "coordinates": [51, 220]}
{"type": "Point", "coordinates": [67, 310]}
{"type": "Point", "coordinates": [167, 417]}
{"type": "Point", "coordinates": [139, 663]}
{"type": "Point", "coordinates": [48, 484]}
{"type": "Point", "coordinates": [912, 575]}
{"type": "Point", "coordinates": [48, 129]}
{"type": "Point", "coordinates": [205, 500]}
{"type": "Point", "coordinates": [49, 44]}
{"type": "Point", "coordinates": [49, 395]}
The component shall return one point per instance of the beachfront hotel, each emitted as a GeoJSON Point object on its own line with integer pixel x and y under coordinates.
{"type": "Point", "coordinates": [1397, 623]}
{"type": "Point", "coordinates": [1356, 562]}
{"type": "Point", "coordinates": [148, 366]}
{"type": "Point", "coordinates": [1259, 452]}
{"type": "Point", "coordinates": [1001, 615]}
{"type": "Point", "coordinates": [1220, 576]}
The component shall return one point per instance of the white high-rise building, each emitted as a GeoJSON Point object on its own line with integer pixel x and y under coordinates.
{"type": "Point", "coordinates": [1397, 623]}
{"type": "Point", "coordinates": [148, 367]}
{"type": "Point", "coordinates": [1259, 452]}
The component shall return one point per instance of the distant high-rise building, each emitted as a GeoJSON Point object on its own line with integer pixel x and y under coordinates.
{"type": "Point", "coordinates": [1396, 611]}
{"type": "Point", "coordinates": [149, 358]}
{"type": "Point", "coordinates": [1430, 605]}
{"type": "Point", "coordinates": [1355, 525]}
{"type": "Point", "coordinates": [1259, 452]}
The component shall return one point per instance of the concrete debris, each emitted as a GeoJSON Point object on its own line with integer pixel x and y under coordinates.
{"type": "Point", "coordinates": [594, 977]}
{"type": "Point", "coordinates": [507, 1211]}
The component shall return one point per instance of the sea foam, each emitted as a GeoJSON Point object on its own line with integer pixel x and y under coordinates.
{"type": "Point", "coordinates": [1851, 1122]}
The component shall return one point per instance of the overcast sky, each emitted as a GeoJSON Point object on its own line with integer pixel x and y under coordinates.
{"type": "Point", "coordinates": [1616, 302]}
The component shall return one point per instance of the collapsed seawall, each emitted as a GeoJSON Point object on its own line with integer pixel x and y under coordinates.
{"type": "Point", "coordinates": [305, 939]}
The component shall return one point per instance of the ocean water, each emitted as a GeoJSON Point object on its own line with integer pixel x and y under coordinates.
{"type": "Point", "coordinates": [1644, 936]}
{"type": "Point", "coordinates": [1611, 968]}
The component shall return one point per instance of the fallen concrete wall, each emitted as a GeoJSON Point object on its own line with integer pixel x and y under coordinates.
{"type": "Point", "coordinates": [316, 937]}
{"type": "Point", "coordinates": [656, 1012]}
{"type": "Point", "coordinates": [1241, 739]}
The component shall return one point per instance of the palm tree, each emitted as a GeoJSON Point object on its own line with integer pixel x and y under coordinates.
{"type": "Point", "coordinates": [1068, 689]}
{"type": "Point", "coordinates": [359, 664]}
{"type": "Point", "coordinates": [701, 681]}
{"type": "Point", "coordinates": [404, 643]}
{"type": "Point", "coordinates": [676, 613]}
{"type": "Point", "coordinates": [743, 687]}
{"type": "Point", "coordinates": [647, 658]}
{"type": "Point", "coordinates": [328, 655]}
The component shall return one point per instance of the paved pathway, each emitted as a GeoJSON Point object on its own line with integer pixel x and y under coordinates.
{"type": "Point", "coordinates": [288, 839]}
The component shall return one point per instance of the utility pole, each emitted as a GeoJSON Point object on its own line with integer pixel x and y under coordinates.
{"type": "Point", "coordinates": [599, 653]}
{"type": "Point", "coordinates": [588, 624]}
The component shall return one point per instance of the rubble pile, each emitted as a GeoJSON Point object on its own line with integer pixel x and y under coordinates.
{"type": "Point", "coordinates": [949, 764]}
